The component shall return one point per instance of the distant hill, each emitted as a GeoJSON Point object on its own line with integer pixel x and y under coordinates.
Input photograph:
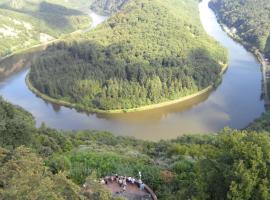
{"type": "Point", "coordinates": [107, 7]}
{"type": "Point", "coordinates": [250, 18]}
{"type": "Point", "coordinates": [26, 23]}
{"type": "Point", "coordinates": [17, 4]}
{"type": "Point", "coordinates": [149, 52]}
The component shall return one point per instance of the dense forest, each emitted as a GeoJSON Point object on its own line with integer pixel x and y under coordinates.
{"type": "Point", "coordinates": [148, 52]}
{"type": "Point", "coordinates": [42, 163]}
{"type": "Point", "coordinates": [26, 23]}
{"type": "Point", "coordinates": [250, 18]}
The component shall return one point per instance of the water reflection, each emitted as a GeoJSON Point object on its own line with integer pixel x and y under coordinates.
{"type": "Point", "coordinates": [159, 113]}
{"type": "Point", "coordinates": [235, 103]}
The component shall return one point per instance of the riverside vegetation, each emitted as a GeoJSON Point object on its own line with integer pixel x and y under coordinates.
{"type": "Point", "coordinates": [148, 52]}
{"type": "Point", "coordinates": [250, 19]}
{"type": "Point", "coordinates": [43, 163]}
{"type": "Point", "coordinates": [25, 23]}
{"type": "Point", "coordinates": [49, 164]}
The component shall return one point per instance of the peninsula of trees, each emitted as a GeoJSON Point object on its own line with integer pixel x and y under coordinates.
{"type": "Point", "coordinates": [250, 18]}
{"type": "Point", "coordinates": [148, 52]}
{"type": "Point", "coordinates": [49, 164]}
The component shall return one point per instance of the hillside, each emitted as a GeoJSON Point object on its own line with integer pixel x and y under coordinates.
{"type": "Point", "coordinates": [147, 53]}
{"type": "Point", "coordinates": [250, 18]}
{"type": "Point", "coordinates": [107, 7]}
{"type": "Point", "coordinates": [53, 164]}
{"type": "Point", "coordinates": [26, 23]}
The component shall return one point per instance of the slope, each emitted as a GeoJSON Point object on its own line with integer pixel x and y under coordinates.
{"type": "Point", "coordinates": [26, 23]}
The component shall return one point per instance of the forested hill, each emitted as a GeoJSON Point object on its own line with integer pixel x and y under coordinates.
{"type": "Point", "coordinates": [251, 19]}
{"type": "Point", "coordinates": [149, 52]}
{"type": "Point", "coordinates": [107, 7]}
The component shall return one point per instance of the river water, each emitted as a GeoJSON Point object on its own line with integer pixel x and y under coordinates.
{"type": "Point", "coordinates": [235, 103]}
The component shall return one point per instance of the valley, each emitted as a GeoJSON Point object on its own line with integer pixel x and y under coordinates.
{"type": "Point", "coordinates": [134, 97]}
{"type": "Point", "coordinates": [209, 112]}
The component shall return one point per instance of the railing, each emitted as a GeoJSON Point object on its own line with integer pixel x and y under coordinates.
{"type": "Point", "coordinates": [150, 191]}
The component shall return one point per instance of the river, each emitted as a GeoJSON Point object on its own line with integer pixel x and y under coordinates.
{"type": "Point", "coordinates": [235, 103]}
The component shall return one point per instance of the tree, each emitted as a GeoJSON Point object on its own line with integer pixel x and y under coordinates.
{"type": "Point", "coordinates": [23, 175]}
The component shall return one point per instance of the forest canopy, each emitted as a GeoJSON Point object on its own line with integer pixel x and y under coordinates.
{"type": "Point", "coordinates": [250, 18]}
{"type": "Point", "coordinates": [148, 52]}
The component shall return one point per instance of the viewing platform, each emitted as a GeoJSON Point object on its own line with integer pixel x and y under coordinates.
{"type": "Point", "coordinates": [128, 188]}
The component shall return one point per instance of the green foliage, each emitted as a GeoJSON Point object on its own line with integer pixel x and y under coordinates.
{"type": "Point", "coordinates": [149, 52]}
{"type": "Point", "coordinates": [84, 163]}
{"type": "Point", "coordinates": [262, 123]}
{"type": "Point", "coordinates": [23, 175]}
{"type": "Point", "coordinates": [94, 190]}
{"type": "Point", "coordinates": [249, 17]}
{"type": "Point", "coordinates": [27, 23]}
{"type": "Point", "coordinates": [16, 126]}
{"type": "Point", "coordinates": [240, 170]}
{"type": "Point", "coordinates": [230, 165]}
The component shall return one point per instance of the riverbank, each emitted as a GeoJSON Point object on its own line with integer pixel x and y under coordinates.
{"type": "Point", "coordinates": [252, 49]}
{"type": "Point", "coordinates": [234, 103]}
{"type": "Point", "coordinates": [20, 59]}
{"type": "Point", "coordinates": [138, 109]}
{"type": "Point", "coordinates": [45, 44]}
{"type": "Point", "coordinates": [38, 46]}
{"type": "Point", "coordinates": [78, 27]}
{"type": "Point", "coordinates": [6, 71]}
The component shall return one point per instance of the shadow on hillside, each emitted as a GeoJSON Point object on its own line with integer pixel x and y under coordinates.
{"type": "Point", "coordinates": [55, 16]}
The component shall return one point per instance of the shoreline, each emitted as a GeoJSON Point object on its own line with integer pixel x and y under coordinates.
{"type": "Point", "coordinates": [45, 44]}
{"type": "Point", "coordinates": [40, 46]}
{"type": "Point", "coordinates": [252, 49]}
{"type": "Point", "coordinates": [131, 110]}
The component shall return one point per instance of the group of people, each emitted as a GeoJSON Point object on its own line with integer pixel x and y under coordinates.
{"type": "Point", "coordinates": [123, 181]}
